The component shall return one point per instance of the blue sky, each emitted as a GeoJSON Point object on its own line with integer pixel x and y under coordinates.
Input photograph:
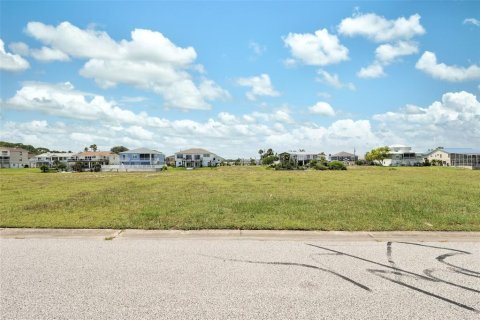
{"type": "Point", "coordinates": [235, 77]}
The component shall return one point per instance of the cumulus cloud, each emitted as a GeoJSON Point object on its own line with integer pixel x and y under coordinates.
{"type": "Point", "coordinates": [472, 21]}
{"type": "Point", "coordinates": [322, 108]}
{"type": "Point", "coordinates": [259, 86]}
{"type": "Point", "coordinates": [375, 70]}
{"type": "Point", "coordinates": [453, 121]}
{"type": "Point", "coordinates": [63, 100]}
{"type": "Point", "coordinates": [428, 64]}
{"type": "Point", "coordinates": [333, 80]}
{"type": "Point", "coordinates": [257, 48]}
{"type": "Point", "coordinates": [149, 61]}
{"type": "Point", "coordinates": [380, 29]}
{"type": "Point", "coordinates": [11, 62]}
{"type": "Point", "coordinates": [387, 53]}
{"type": "Point", "coordinates": [318, 49]}
{"type": "Point", "coordinates": [44, 54]}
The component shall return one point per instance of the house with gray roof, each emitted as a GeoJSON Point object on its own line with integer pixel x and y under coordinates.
{"type": "Point", "coordinates": [140, 159]}
{"type": "Point", "coordinates": [456, 157]}
{"type": "Point", "coordinates": [196, 158]}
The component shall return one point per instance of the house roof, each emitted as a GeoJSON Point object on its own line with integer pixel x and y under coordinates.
{"type": "Point", "coordinates": [194, 151]}
{"type": "Point", "coordinates": [299, 153]}
{"type": "Point", "coordinates": [55, 154]}
{"type": "Point", "coordinates": [343, 154]}
{"type": "Point", "coordinates": [460, 150]}
{"type": "Point", "coordinates": [95, 153]}
{"type": "Point", "coordinates": [141, 150]}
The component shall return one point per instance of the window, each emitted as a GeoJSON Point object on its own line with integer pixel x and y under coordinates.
{"type": "Point", "coordinates": [206, 155]}
{"type": "Point", "coordinates": [188, 157]}
{"type": "Point", "coordinates": [179, 156]}
{"type": "Point", "coordinates": [144, 156]}
{"type": "Point", "coordinates": [197, 157]}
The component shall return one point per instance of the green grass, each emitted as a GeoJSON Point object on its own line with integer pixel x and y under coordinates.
{"type": "Point", "coordinates": [364, 198]}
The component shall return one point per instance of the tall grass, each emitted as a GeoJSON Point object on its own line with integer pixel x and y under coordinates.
{"type": "Point", "coordinates": [362, 198]}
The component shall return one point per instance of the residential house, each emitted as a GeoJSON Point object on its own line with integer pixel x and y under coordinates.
{"type": "Point", "coordinates": [142, 156]}
{"type": "Point", "coordinates": [456, 157]}
{"type": "Point", "coordinates": [13, 158]}
{"type": "Point", "coordinates": [141, 159]}
{"type": "Point", "coordinates": [343, 156]}
{"type": "Point", "coordinates": [401, 155]}
{"type": "Point", "coordinates": [49, 159]}
{"type": "Point", "coordinates": [300, 158]}
{"type": "Point", "coordinates": [196, 157]}
{"type": "Point", "coordinates": [91, 158]}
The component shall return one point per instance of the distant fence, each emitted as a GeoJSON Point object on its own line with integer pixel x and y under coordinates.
{"type": "Point", "coordinates": [131, 168]}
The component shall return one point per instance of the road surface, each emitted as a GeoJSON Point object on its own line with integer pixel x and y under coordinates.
{"type": "Point", "coordinates": [97, 276]}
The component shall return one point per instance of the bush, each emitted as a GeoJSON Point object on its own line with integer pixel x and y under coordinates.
{"type": "Point", "coordinates": [97, 168]}
{"type": "Point", "coordinates": [164, 168]}
{"type": "Point", "coordinates": [268, 160]}
{"type": "Point", "coordinates": [44, 168]}
{"type": "Point", "coordinates": [78, 166]}
{"type": "Point", "coordinates": [336, 165]}
{"type": "Point", "coordinates": [320, 166]}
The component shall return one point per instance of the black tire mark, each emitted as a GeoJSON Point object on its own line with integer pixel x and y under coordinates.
{"type": "Point", "coordinates": [429, 273]}
{"type": "Point", "coordinates": [421, 276]}
{"type": "Point", "coordinates": [441, 259]}
{"type": "Point", "coordinates": [381, 274]}
{"type": "Point", "coordinates": [390, 259]}
{"type": "Point", "coordinates": [435, 247]}
{"type": "Point", "coordinates": [364, 287]}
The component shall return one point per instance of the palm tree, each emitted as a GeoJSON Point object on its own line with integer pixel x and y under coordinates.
{"type": "Point", "coordinates": [260, 152]}
{"type": "Point", "coordinates": [93, 147]}
{"type": "Point", "coordinates": [85, 149]}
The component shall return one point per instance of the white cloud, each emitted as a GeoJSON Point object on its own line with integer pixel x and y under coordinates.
{"type": "Point", "coordinates": [260, 86]}
{"type": "Point", "coordinates": [48, 54]}
{"type": "Point", "coordinates": [19, 48]}
{"type": "Point", "coordinates": [333, 80]}
{"type": "Point", "coordinates": [149, 61]}
{"type": "Point", "coordinates": [387, 53]}
{"type": "Point", "coordinates": [428, 64]}
{"type": "Point", "coordinates": [472, 21]}
{"type": "Point", "coordinates": [63, 100]}
{"type": "Point", "coordinates": [11, 62]}
{"type": "Point", "coordinates": [453, 121]}
{"type": "Point", "coordinates": [322, 108]}
{"type": "Point", "coordinates": [318, 49]}
{"type": "Point", "coordinates": [375, 70]}
{"type": "Point", "coordinates": [379, 28]}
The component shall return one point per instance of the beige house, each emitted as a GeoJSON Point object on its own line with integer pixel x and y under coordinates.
{"type": "Point", "coordinates": [456, 157]}
{"type": "Point", "coordinates": [196, 157]}
{"type": "Point", "coordinates": [13, 158]}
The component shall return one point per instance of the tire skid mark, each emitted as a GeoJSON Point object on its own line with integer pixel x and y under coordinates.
{"type": "Point", "coordinates": [381, 274]}
{"type": "Point", "coordinates": [295, 264]}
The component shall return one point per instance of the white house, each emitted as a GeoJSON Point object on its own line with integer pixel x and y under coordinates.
{"type": "Point", "coordinates": [301, 158]}
{"type": "Point", "coordinates": [401, 155]}
{"type": "Point", "coordinates": [49, 159]}
{"type": "Point", "coordinates": [196, 157]}
{"type": "Point", "coordinates": [456, 157]}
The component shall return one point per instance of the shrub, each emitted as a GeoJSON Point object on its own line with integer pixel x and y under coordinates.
{"type": "Point", "coordinates": [44, 168]}
{"type": "Point", "coordinates": [320, 166]}
{"type": "Point", "coordinates": [164, 168]}
{"type": "Point", "coordinates": [336, 165]}
{"type": "Point", "coordinates": [268, 160]}
{"type": "Point", "coordinates": [78, 166]}
{"type": "Point", "coordinates": [97, 168]}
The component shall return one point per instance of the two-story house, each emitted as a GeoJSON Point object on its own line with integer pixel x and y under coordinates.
{"type": "Point", "coordinates": [142, 157]}
{"type": "Point", "coordinates": [196, 158]}
{"type": "Point", "coordinates": [456, 157]}
{"type": "Point", "coordinates": [49, 159]}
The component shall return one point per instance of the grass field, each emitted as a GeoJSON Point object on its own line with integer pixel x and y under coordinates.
{"type": "Point", "coordinates": [363, 198]}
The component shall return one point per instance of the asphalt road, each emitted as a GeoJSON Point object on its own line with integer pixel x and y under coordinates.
{"type": "Point", "coordinates": [93, 278]}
